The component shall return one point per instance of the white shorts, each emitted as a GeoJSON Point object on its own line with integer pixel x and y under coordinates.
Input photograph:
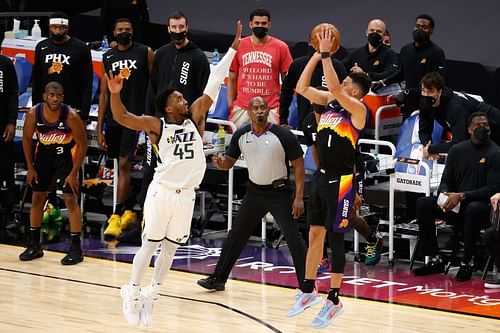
{"type": "Point", "coordinates": [168, 214]}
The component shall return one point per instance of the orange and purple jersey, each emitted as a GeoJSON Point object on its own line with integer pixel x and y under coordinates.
{"type": "Point", "coordinates": [54, 139]}
{"type": "Point", "coordinates": [336, 140]}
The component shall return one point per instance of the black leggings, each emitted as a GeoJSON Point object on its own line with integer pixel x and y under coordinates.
{"type": "Point", "coordinates": [338, 253]}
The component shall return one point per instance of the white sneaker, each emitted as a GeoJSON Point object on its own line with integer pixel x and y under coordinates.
{"type": "Point", "coordinates": [149, 296]}
{"type": "Point", "coordinates": [327, 314]}
{"type": "Point", "coordinates": [304, 301]}
{"type": "Point", "coordinates": [132, 304]}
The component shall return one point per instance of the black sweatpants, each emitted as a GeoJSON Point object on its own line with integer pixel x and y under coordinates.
{"type": "Point", "coordinates": [492, 241]}
{"type": "Point", "coordinates": [256, 203]}
{"type": "Point", "coordinates": [7, 190]}
{"type": "Point", "coordinates": [471, 218]}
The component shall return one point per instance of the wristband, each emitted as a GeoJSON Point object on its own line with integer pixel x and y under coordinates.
{"type": "Point", "coordinates": [325, 55]}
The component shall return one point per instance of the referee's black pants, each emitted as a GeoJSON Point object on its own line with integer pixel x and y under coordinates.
{"type": "Point", "coordinates": [256, 203]}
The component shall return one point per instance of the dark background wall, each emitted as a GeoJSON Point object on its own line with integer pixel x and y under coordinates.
{"type": "Point", "coordinates": [468, 31]}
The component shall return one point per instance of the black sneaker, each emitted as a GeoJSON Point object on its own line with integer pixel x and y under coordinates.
{"type": "Point", "coordinates": [212, 283]}
{"type": "Point", "coordinates": [31, 252]}
{"type": "Point", "coordinates": [493, 284]}
{"type": "Point", "coordinates": [464, 272]}
{"type": "Point", "coordinates": [73, 257]}
{"type": "Point", "coordinates": [431, 267]}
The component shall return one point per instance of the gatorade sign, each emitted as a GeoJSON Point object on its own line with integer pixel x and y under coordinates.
{"type": "Point", "coordinates": [410, 182]}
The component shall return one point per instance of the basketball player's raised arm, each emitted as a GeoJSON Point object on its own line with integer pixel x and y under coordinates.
{"type": "Point", "coordinates": [304, 88]}
{"type": "Point", "coordinates": [349, 103]}
{"type": "Point", "coordinates": [200, 106]}
{"type": "Point", "coordinates": [148, 124]}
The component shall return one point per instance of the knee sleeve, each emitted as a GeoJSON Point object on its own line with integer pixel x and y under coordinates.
{"type": "Point", "coordinates": [336, 241]}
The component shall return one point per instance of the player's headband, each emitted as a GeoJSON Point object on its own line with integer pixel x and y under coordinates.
{"type": "Point", "coordinates": [58, 20]}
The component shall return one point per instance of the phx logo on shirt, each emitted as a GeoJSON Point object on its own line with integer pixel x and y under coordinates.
{"type": "Point", "coordinates": [57, 62]}
{"type": "Point", "coordinates": [124, 67]}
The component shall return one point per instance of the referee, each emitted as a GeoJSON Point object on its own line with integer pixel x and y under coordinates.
{"type": "Point", "coordinates": [267, 148]}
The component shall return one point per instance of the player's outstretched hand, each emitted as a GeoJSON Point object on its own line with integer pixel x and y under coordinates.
{"type": "Point", "coordinates": [325, 38]}
{"type": "Point", "coordinates": [115, 83]}
{"type": "Point", "coordinates": [237, 37]}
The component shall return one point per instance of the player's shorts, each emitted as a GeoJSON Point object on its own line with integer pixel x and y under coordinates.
{"type": "Point", "coordinates": [240, 118]}
{"type": "Point", "coordinates": [168, 213]}
{"type": "Point", "coordinates": [52, 172]}
{"type": "Point", "coordinates": [330, 201]}
{"type": "Point", "coordinates": [121, 141]}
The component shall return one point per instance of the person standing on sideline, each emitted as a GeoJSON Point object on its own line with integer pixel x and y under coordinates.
{"type": "Point", "coordinates": [256, 70]}
{"type": "Point", "coordinates": [180, 64]}
{"type": "Point", "coordinates": [376, 59]}
{"type": "Point", "coordinates": [492, 239]}
{"type": "Point", "coordinates": [268, 149]}
{"type": "Point", "coordinates": [332, 186]}
{"type": "Point", "coordinates": [8, 116]}
{"type": "Point", "coordinates": [416, 59]}
{"type": "Point", "coordinates": [135, 10]}
{"type": "Point", "coordinates": [67, 60]}
{"type": "Point", "coordinates": [133, 61]}
{"type": "Point", "coordinates": [168, 209]}
{"type": "Point", "coordinates": [58, 128]}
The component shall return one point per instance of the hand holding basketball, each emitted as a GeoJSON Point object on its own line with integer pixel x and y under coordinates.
{"type": "Point", "coordinates": [325, 30]}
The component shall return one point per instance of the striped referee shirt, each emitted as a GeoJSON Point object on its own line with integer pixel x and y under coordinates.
{"type": "Point", "coordinates": [266, 154]}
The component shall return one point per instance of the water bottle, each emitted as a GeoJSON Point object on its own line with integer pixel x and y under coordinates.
{"type": "Point", "coordinates": [36, 32]}
{"type": "Point", "coordinates": [221, 140]}
{"type": "Point", "coordinates": [215, 57]}
{"type": "Point", "coordinates": [104, 44]}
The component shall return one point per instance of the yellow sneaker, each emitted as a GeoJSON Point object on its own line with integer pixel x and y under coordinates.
{"type": "Point", "coordinates": [129, 218]}
{"type": "Point", "coordinates": [114, 226]}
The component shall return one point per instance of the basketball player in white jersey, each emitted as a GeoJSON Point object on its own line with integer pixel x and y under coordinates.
{"type": "Point", "coordinates": [168, 209]}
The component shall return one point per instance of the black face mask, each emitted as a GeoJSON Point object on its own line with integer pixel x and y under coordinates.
{"type": "Point", "coordinates": [260, 32]}
{"type": "Point", "coordinates": [374, 39]}
{"type": "Point", "coordinates": [58, 38]}
{"type": "Point", "coordinates": [425, 103]}
{"type": "Point", "coordinates": [420, 36]}
{"type": "Point", "coordinates": [481, 134]}
{"type": "Point", "coordinates": [124, 38]}
{"type": "Point", "coordinates": [178, 36]}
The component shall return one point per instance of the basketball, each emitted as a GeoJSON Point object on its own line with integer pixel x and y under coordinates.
{"type": "Point", "coordinates": [313, 39]}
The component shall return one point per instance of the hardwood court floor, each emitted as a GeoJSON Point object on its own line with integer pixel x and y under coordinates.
{"type": "Point", "coordinates": [42, 295]}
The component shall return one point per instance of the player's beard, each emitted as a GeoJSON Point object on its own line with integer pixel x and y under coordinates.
{"type": "Point", "coordinates": [187, 114]}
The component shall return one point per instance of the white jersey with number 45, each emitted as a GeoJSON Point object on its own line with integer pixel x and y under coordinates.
{"type": "Point", "coordinates": [181, 162]}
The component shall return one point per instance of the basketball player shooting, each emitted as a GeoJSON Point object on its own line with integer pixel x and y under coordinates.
{"type": "Point", "coordinates": [168, 209]}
